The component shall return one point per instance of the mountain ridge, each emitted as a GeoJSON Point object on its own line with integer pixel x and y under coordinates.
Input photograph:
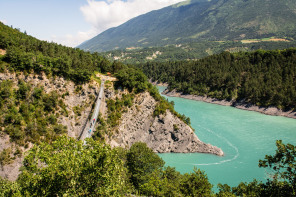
{"type": "Point", "coordinates": [198, 20]}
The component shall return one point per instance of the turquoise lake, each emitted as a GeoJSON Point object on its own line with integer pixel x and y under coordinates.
{"type": "Point", "coordinates": [244, 136]}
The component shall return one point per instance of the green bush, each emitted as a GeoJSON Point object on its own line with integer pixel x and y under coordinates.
{"type": "Point", "coordinates": [141, 162]}
{"type": "Point", "coordinates": [67, 167]}
{"type": "Point", "coordinates": [28, 114]}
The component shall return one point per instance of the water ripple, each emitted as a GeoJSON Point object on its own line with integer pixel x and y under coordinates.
{"type": "Point", "coordinates": [228, 142]}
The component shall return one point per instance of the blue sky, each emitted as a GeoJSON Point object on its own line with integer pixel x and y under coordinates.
{"type": "Point", "coordinates": [70, 22]}
{"type": "Point", "coordinates": [44, 19]}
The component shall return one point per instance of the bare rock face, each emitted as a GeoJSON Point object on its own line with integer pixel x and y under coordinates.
{"type": "Point", "coordinates": [166, 133]}
{"type": "Point", "coordinates": [84, 98]}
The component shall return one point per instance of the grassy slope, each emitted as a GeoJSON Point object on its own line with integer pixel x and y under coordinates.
{"type": "Point", "coordinates": [201, 20]}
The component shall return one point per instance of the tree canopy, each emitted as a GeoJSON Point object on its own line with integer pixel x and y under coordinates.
{"type": "Point", "coordinates": [264, 78]}
{"type": "Point", "coordinates": [26, 53]}
{"type": "Point", "coordinates": [67, 167]}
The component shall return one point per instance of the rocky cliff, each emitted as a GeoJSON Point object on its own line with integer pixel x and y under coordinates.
{"type": "Point", "coordinates": [164, 133]}
{"type": "Point", "coordinates": [79, 97]}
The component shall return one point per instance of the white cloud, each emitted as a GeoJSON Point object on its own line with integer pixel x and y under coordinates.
{"type": "Point", "coordinates": [74, 40]}
{"type": "Point", "coordinates": [111, 13]}
{"type": "Point", "coordinates": [3, 21]}
{"type": "Point", "coordinates": [104, 14]}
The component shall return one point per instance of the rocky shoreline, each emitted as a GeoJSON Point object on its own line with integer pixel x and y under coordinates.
{"type": "Point", "coordinates": [163, 134]}
{"type": "Point", "coordinates": [273, 111]}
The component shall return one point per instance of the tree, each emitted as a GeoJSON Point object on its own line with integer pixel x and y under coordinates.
{"type": "Point", "coordinates": [283, 163]}
{"type": "Point", "coordinates": [132, 79]}
{"type": "Point", "coordinates": [141, 163]}
{"type": "Point", "coordinates": [8, 188]}
{"type": "Point", "coordinates": [196, 184]}
{"type": "Point", "coordinates": [67, 167]}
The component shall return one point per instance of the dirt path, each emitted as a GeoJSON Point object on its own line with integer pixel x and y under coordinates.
{"type": "Point", "coordinates": [2, 52]}
{"type": "Point", "coordinates": [106, 77]}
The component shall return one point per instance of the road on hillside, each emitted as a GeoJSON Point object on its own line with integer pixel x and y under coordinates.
{"type": "Point", "coordinates": [88, 131]}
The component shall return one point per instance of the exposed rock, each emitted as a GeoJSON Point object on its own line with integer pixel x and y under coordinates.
{"type": "Point", "coordinates": [11, 171]}
{"type": "Point", "coordinates": [165, 133]}
{"type": "Point", "coordinates": [108, 93]}
{"type": "Point", "coordinates": [2, 52]}
{"type": "Point", "coordinates": [162, 134]}
{"type": "Point", "coordinates": [73, 122]}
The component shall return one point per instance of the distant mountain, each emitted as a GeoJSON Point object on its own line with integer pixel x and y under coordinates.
{"type": "Point", "coordinates": [200, 20]}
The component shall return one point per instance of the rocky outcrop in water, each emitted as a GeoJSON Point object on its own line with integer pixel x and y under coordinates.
{"type": "Point", "coordinates": [164, 133]}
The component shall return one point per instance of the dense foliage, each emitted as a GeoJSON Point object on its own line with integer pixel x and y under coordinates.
{"type": "Point", "coordinates": [264, 78]}
{"type": "Point", "coordinates": [283, 163]}
{"type": "Point", "coordinates": [132, 79]}
{"type": "Point", "coordinates": [67, 167]}
{"type": "Point", "coordinates": [190, 51]}
{"type": "Point", "coordinates": [26, 53]}
{"type": "Point", "coordinates": [70, 168]}
{"type": "Point", "coordinates": [28, 115]}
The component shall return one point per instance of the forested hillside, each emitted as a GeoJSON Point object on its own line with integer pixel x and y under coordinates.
{"type": "Point", "coordinates": [59, 165]}
{"type": "Point", "coordinates": [47, 90]}
{"type": "Point", "coordinates": [26, 53]}
{"type": "Point", "coordinates": [264, 78]}
{"type": "Point", "coordinates": [192, 50]}
{"type": "Point", "coordinates": [201, 20]}
{"type": "Point", "coordinates": [31, 107]}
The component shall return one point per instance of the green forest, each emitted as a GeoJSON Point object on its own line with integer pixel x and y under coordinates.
{"type": "Point", "coordinates": [28, 114]}
{"type": "Point", "coordinates": [66, 167]}
{"type": "Point", "coordinates": [264, 78]}
{"type": "Point", "coordinates": [28, 54]}
{"type": "Point", "coordinates": [189, 51]}
{"type": "Point", "coordinates": [58, 165]}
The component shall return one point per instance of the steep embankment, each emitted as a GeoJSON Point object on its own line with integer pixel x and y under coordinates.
{"type": "Point", "coordinates": [72, 111]}
{"type": "Point", "coordinates": [163, 133]}
{"type": "Point", "coordinates": [72, 106]}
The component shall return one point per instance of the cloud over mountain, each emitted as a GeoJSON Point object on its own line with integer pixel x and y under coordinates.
{"type": "Point", "coordinates": [111, 13]}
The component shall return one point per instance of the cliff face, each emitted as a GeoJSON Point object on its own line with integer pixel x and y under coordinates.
{"type": "Point", "coordinates": [81, 98]}
{"type": "Point", "coordinates": [166, 133]}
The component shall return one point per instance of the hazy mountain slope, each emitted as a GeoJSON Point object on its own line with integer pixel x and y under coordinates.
{"type": "Point", "coordinates": [201, 20]}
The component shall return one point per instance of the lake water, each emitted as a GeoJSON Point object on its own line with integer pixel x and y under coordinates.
{"type": "Point", "coordinates": [244, 136]}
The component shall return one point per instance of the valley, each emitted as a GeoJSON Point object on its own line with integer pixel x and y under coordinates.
{"type": "Point", "coordinates": [193, 50]}
{"type": "Point", "coordinates": [88, 121]}
{"type": "Point", "coordinates": [201, 21]}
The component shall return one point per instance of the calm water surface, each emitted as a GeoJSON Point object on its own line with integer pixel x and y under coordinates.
{"type": "Point", "coordinates": [244, 136]}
